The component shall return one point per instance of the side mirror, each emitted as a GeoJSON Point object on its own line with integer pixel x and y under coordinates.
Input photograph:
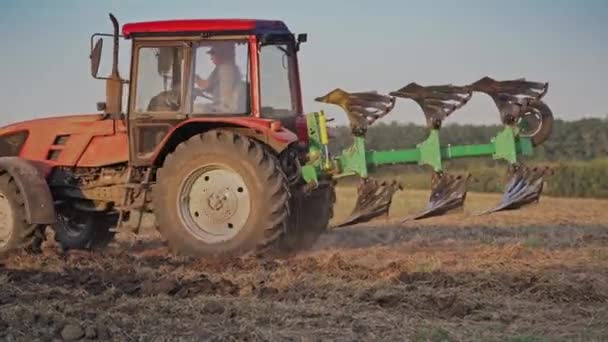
{"type": "Point", "coordinates": [302, 38]}
{"type": "Point", "coordinates": [96, 57]}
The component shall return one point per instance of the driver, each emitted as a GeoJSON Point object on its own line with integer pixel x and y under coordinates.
{"type": "Point", "coordinates": [223, 82]}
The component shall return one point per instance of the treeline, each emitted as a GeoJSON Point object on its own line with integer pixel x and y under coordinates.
{"type": "Point", "coordinates": [577, 152]}
{"type": "Point", "coordinates": [583, 139]}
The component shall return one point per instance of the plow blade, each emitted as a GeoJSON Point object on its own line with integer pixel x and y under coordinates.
{"type": "Point", "coordinates": [373, 200]}
{"type": "Point", "coordinates": [513, 98]}
{"type": "Point", "coordinates": [437, 102]}
{"type": "Point", "coordinates": [524, 186]}
{"type": "Point", "coordinates": [362, 108]}
{"type": "Point", "coordinates": [448, 193]}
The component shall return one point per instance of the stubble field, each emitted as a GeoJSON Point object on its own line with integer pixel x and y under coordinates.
{"type": "Point", "coordinates": [536, 274]}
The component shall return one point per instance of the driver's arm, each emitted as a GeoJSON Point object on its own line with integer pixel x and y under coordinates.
{"type": "Point", "coordinates": [209, 83]}
{"type": "Point", "coordinates": [201, 83]}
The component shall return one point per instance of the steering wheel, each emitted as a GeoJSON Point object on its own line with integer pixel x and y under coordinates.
{"type": "Point", "coordinates": [196, 92]}
{"type": "Point", "coordinates": [166, 100]}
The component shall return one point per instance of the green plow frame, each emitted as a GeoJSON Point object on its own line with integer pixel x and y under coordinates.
{"type": "Point", "coordinates": [448, 191]}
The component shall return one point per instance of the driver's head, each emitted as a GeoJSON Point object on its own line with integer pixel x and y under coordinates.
{"type": "Point", "coordinates": [221, 52]}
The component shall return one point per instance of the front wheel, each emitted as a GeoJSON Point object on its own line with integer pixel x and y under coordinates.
{"type": "Point", "coordinates": [83, 231]}
{"type": "Point", "coordinates": [221, 194]}
{"type": "Point", "coordinates": [15, 232]}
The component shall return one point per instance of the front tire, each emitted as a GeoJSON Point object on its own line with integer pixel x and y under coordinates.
{"type": "Point", "coordinates": [76, 230]}
{"type": "Point", "coordinates": [15, 232]}
{"type": "Point", "coordinates": [221, 194]}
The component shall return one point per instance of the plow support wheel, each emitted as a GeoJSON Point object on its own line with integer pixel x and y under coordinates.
{"type": "Point", "coordinates": [448, 192]}
{"type": "Point", "coordinates": [373, 200]}
{"type": "Point", "coordinates": [513, 98]}
{"type": "Point", "coordinates": [524, 186]}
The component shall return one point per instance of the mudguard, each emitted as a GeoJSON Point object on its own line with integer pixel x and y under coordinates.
{"type": "Point", "coordinates": [256, 128]}
{"type": "Point", "coordinates": [31, 181]}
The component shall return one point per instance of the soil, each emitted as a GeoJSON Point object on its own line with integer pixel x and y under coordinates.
{"type": "Point", "coordinates": [530, 275]}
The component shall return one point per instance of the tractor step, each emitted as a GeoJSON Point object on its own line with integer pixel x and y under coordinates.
{"type": "Point", "coordinates": [127, 205]}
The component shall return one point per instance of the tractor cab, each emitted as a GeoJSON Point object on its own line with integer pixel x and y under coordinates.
{"type": "Point", "coordinates": [207, 68]}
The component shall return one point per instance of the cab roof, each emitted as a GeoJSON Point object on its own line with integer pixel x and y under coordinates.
{"type": "Point", "coordinates": [198, 26]}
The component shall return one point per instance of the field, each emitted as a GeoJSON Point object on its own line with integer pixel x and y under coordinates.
{"type": "Point", "coordinates": [532, 275]}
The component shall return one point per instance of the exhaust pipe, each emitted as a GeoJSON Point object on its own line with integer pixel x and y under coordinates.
{"type": "Point", "coordinates": [114, 82]}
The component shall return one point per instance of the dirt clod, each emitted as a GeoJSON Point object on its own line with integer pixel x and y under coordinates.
{"type": "Point", "coordinates": [158, 287]}
{"type": "Point", "coordinates": [383, 297]}
{"type": "Point", "coordinates": [266, 291]}
{"type": "Point", "coordinates": [90, 333]}
{"type": "Point", "coordinates": [102, 332]}
{"type": "Point", "coordinates": [213, 308]}
{"type": "Point", "coordinates": [72, 332]}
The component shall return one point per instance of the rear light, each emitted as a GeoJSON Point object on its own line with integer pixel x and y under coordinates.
{"type": "Point", "coordinates": [302, 130]}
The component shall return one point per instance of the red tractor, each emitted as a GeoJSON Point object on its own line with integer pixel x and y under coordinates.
{"type": "Point", "coordinates": [211, 140]}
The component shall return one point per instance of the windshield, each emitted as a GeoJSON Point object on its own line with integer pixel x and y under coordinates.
{"type": "Point", "coordinates": [276, 83]}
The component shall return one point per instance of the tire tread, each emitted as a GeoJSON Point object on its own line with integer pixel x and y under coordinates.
{"type": "Point", "coordinates": [26, 235]}
{"type": "Point", "coordinates": [264, 161]}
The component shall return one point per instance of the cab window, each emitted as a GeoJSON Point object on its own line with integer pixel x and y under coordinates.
{"type": "Point", "coordinates": [221, 78]}
{"type": "Point", "coordinates": [276, 80]}
{"type": "Point", "coordinates": [159, 79]}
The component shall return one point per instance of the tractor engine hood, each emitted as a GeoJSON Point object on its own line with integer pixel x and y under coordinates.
{"type": "Point", "coordinates": [55, 122]}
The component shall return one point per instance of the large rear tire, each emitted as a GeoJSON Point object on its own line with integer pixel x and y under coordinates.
{"type": "Point", "coordinates": [221, 194]}
{"type": "Point", "coordinates": [15, 232]}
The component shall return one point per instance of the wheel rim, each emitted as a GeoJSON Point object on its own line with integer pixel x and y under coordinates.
{"type": "Point", "coordinates": [6, 220]}
{"type": "Point", "coordinates": [527, 128]}
{"type": "Point", "coordinates": [214, 203]}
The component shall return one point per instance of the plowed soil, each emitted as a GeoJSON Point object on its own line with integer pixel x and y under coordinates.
{"type": "Point", "coordinates": [540, 273]}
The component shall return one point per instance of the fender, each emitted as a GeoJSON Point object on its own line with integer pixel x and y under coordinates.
{"type": "Point", "coordinates": [31, 182]}
{"type": "Point", "coordinates": [267, 131]}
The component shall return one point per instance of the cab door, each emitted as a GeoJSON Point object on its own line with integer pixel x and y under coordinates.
{"type": "Point", "coordinates": [158, 92]}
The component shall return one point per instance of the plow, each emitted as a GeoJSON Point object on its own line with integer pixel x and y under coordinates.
{"type": "Point", "coordinates": [527, 122]}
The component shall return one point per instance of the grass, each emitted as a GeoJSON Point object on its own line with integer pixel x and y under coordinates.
{"type": "Point", "coordinates": [598, 254]}
{"type": "Point", "coordinates": [428, 266]}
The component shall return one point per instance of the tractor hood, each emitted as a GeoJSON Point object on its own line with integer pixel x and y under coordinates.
{"type": "Point", "coordinates": [52, 123]}
{"type": "Point", "coordinates": [91, 140]}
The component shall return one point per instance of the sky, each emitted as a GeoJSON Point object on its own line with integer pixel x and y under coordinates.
{"type": "Point", "coordinates": [355, 45]}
